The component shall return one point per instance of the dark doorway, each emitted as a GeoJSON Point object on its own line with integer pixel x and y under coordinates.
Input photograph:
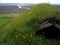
{"type": "Point", "coordinates": [49, 30]}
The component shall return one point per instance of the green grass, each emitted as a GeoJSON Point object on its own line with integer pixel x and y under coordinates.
{"type": "Point", "coordinates": [21, 29]}
{"type": "Point", "coordinates": [5, 18]}
{"type": "Point", "coordinates": [3, 21]}
{"type": "Point", "coordinates": [8, 14]}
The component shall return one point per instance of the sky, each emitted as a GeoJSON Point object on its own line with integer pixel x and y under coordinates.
{"type": "Point", "coordinates": [31, 1]}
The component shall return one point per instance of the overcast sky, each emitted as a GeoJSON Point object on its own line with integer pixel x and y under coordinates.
{"type": "Point", "coordinates": [31, 1]}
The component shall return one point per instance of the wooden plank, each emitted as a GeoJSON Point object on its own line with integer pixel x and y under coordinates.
{"type": "Point", "coordinates": [46, 25]}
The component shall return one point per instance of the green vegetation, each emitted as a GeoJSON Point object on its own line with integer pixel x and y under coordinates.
{"type": "Point", "coordinates": [21, 29]}
{"type": "Point", "coordinates": [5, 18]}
{"type": "Point", "coordinates": [3, 21]}
{"type": "Point", "coordinates": [8, 14]}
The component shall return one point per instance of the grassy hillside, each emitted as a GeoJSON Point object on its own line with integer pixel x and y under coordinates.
{"type": "Point", "coordinates": [5, 18]}
{"type": "Point", "coordinates": [21, 29]}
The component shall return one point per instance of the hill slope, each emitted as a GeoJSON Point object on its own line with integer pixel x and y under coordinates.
{"type": "Point", "coordinates": [21, 30]}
